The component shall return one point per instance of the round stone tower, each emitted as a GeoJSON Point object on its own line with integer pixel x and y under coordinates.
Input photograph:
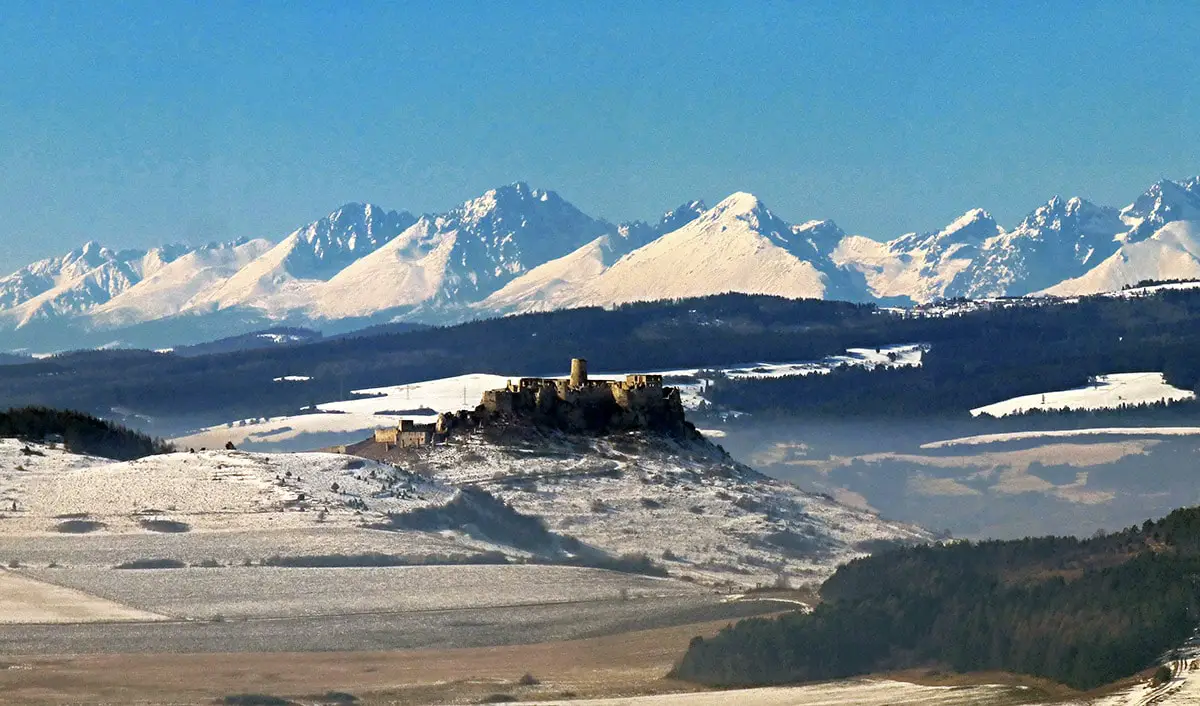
{"type": "Point", "coordinates": [578, 372]}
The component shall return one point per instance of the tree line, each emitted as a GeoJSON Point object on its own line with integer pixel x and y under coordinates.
{"type": "Point", "coordinates": [1080, 612]}
{"type": "Point", "coordinates": [78, 433]}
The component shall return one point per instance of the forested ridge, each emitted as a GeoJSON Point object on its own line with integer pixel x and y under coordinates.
{"type": "Point", "coordinates": [1080, 612]}
{"type": "Point", "coordinates": [975, 357]}
{"type": "Point", "coordinates": [78, 432]}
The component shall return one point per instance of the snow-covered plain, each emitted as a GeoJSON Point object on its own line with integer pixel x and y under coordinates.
{"type": "Point", "coordinates": [379, 407]}
{"type": "Point", "coordinates": [26, 600]}
{"type": "Point", "coordinates": [264, 591]}
{"type": "Point", "coordinates": [1182, 690]}
{"type": "Point", "coordinates": [1107, 392]}
{"type": "Point", "coordinates": [1005, 437]}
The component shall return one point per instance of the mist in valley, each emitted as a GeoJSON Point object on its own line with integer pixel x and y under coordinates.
{"type": "Point", "coordinates": [1077, 485]}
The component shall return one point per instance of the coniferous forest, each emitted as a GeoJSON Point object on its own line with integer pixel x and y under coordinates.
{"type": "Point", "coordinates": [78, 432]}
{"type": "Point", "coordinates": [1080, 612]}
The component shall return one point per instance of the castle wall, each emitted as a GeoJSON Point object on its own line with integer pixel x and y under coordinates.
{"type": "Point", "coordinates": [409, 439]}
{"type": "Point", "coordinates": [386, 436]}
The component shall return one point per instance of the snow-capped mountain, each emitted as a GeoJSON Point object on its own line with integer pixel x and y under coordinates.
{"type": "Point", "coordinates": [738, 245]}
{"type": "Point", "coordinates": [546, 286]}
{"type": "Point", "coordinates": [1163, 203]}
{"type": "Point", "coordinates": [518, 249]}
{"type": "Point", "coordinates": [920, 266]}
{"type": "Point", "coordinates": [1160, 240]}
{"type": "Point", "coordinates": [286, 277]}
{"type": "Point", "coordinates": [173, 287]}
{"type": "Point", "coordinates": [444, 262]}
{"type": "Point", "coordinates": [1061, 239]}
{"type": "Point", "coordinates": [75, 283]}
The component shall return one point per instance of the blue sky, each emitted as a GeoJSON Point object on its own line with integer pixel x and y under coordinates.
{"type": "Point", "coordinates": [140, 123]}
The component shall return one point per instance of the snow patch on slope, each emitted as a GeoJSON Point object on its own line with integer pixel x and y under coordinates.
{"type": "Point", "coordinates": [1107, 392]}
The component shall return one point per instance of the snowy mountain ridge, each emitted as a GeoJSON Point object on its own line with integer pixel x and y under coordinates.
{"type": "Point", "coordinates": [517, 249]}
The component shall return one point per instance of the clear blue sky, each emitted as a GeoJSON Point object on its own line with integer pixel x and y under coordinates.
{"type": "Point", "coordinates": [139, 123]}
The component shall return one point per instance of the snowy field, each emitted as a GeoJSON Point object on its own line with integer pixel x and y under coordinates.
{"type": "Point", "coordinates": [848, 693]}
{"type": "Point", "coordinates": [1153, 289]}
{"type": "Point", "coordinates": [1061, 434]}
{"type": "Point", "coordinates": [1108, 392]}
{"type": "Point", "coordinates": [26, 600]}
{"type": "Point", "coordinates": [378, 407]}
{"type": "Point", "coordinates": [43, 490]}
{"type": "Point", "coordinates": [260, 591]}
{"type": "Point", "coordinates": [1182, 690]}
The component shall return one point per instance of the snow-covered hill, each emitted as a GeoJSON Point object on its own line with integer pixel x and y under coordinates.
{"type": "Point", "coordinates": [519, 249]}
{"type": "Point", "coordinates": [686, 505]}
{"type": "Point", "coordinates": [1107, 392]}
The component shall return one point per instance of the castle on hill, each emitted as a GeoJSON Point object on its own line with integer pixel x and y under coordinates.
{"type": "Point", "coordinates": [576, 404]}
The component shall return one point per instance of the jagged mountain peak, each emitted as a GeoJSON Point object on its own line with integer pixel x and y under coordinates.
{"type": "Point", "coordinates": [746, 208]}
{"type": "Point", "coordinates": [1074, 214]}
{"type": "Point", "coordinates": [338, 239]}
{"type": "Point", "coordinates": [823, 235]}
{"type": "Point", "coordinates": [1164, 193]}
{"type": "Point", "coordinates": [509, 196]}
{"type": "Point", "coordinates": [1165, 201]}
{"type": "Point", "coordinates": [972, 228]}
{"type": "Point", "coordinates": [972, 219]}
{"type": "Point", "coordinates": [681, 215]}
{"type": "Point", "coordinates": [739, 203]}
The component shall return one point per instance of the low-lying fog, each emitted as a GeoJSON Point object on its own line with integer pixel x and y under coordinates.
{"type": "Point", "coordinates": [1077, 484]}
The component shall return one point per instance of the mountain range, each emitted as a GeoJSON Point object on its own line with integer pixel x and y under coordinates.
{"type": "Point", "coordinates": [519, 249]}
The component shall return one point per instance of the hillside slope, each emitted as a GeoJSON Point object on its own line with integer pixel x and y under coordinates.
{"type": "Point", "coordinates": [685, 503]}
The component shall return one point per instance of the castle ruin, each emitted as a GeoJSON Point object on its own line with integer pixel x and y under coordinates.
{"type": "Point", "coordinates": [580, 404]}
{"type": "Point", "coordinates": [575, 404]}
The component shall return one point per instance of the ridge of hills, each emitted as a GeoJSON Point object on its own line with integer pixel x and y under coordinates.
{"type": "Point", "coordinates": [518, 249]}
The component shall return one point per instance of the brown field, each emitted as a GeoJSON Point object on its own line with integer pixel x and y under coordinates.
{"type": "Point", "coordinates": [632, 663]}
